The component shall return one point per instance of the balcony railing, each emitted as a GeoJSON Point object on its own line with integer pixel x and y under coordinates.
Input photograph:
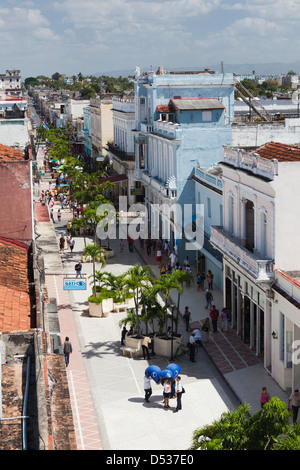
{"type": "Point", "coordinates": [125, 157]}
{"type": "Point", "coordinates": [260, 270]}
{"type": "Point", "coordinates": [166, 128]}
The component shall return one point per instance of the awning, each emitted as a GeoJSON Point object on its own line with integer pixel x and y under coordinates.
{"type": "Point", "coordinates": [113, 179]}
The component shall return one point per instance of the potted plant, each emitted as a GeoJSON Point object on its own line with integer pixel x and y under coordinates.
{"type": "Point", "coordinates": [136, 279]}
{"type": "Point", "coordinates": [165, 343]}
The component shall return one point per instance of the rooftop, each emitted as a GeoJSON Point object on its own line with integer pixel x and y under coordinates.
{"type": "Point", "coordinates": [280, 152]}
{"type": "Point", "coordinates": [197, 104]}
{"type": "Point", "coordinates": [8, 154]}
{"type": "Point", "coordinates": [15, 304]}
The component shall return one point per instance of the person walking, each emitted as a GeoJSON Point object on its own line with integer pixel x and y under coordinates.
{"type": "Point", "coordinates": [294, 400]}
{"type": "Point", "coordinates": [71, 243]}
{"type": "Point", "coordinates": [192, 347]}
{"type": "Point", "coordinates": [187, 318]}
{"type": "Point", "coordinates": [209, 278]}
{"type": "Point", "coordinates": [78, 268]}
{"type": "Point", "coordinates": [214, 315]}
{"type": "Point", "coordinates": [58, 216]}
{"type": "Point", "coordinates": [145, 347]}
{"type": "Point", "coordinates": [178, 394]}
{"type": "Point", "coordinates": [206, 329]}
{"type": "Point", "coordinates": [123, 335]}
{"type": "Point", "coordinates": [173, 259]}
{"type": "Point", "coordinates": [158, 255]}
{"type": "Point", "coordinates": [52, 215]}
{"type": "Point", "coordinates": [147, 387]}
{"type": "Point", "coordinates": [264, 397]}
{"type": "Point", "coordinates": [224, 318]}
{"type": "Point", "coordinates": [62, 242]}
{"type": "Point", "coordinates": [209, 299]}
{"type": "Point", "coordinates": [67, 349]}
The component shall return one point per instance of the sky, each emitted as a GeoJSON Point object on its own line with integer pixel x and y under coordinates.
{"type": "Point", "coordinates": [96, 36]}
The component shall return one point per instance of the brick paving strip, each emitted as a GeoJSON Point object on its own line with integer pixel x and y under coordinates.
{"type": "Point", "coordinates": [86, 428]}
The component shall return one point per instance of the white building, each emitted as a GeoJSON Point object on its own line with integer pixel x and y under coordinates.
{"type": "Point", "coordinates": [285, 329]}
{"type": "Point", "coordinates": [10, 82]}
{"type": "Point", "coordinates": [121, 149]}
{"type": "Point", "coordinates": [101, 126]}
{"type": "Point", "coordinates": [74, 109]}
{"type": "Point", "coordinates": [260, 233]}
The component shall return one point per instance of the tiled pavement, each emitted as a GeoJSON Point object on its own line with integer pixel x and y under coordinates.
{"type": "Point", "coordinates": [85, 423]}
{"type": "Point", "coordinates": [239, 365]}
{"type": "Point", "coordinates": [226, 350]}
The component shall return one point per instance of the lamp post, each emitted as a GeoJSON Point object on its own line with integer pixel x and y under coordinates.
{"type": "Point", "coordinates": [172, 306]}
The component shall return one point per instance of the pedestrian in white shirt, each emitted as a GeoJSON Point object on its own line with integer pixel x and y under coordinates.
{"type": "Point", "coordinates": [179, 391]}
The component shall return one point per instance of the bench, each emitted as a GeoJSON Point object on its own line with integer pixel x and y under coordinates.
{"type": "Point", "coordinates": [130, 351]}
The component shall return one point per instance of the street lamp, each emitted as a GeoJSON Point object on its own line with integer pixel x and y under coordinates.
{"type": "Point", "coordinates": [172, 306]}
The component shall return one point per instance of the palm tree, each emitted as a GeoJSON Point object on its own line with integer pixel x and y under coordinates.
{"type": "Point", "coordinates": [165, 285]}
{"type": "Point", "coordinates": [181, 277]}
{"type": "Point", "coordinates": [136, 279]}
{"type": "Point", "coordinates": [97, 254]}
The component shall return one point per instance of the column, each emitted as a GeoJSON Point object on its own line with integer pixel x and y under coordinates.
{"type": "Point", "coordinates": [240, 302]}
{"type": "Point", "coordinates": [252, 330]}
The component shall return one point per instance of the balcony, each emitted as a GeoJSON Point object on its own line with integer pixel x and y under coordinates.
{"type": "Point", "coordinates": [252, 162]}
{"type": "Point", "coordinates": [261, 270]}
{"type": "Point", "coordinates": [158, 185]}
{"type": "Point", "coordinates": [166, 129]}
{"type": "Point", "coordinates": [120, 154]}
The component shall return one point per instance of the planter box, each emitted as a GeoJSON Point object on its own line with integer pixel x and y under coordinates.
{"type": "Point", "coordinates": [109, 253]}
{"type": "Point", "coordinates": [95, 310]}
{"type": "Point", "coordinates": [163, 347]}
{"type": "Point", "coordinates": [129, 303]}
{"type": "Point", "coordinates": [135, 343]}
{"type": "Point", "coordinates": [101, 310]}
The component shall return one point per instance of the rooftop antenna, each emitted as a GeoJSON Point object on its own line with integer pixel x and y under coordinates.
{"type": "Point", "coordinates": [222, 67]}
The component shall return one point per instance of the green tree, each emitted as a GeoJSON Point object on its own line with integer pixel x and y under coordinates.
{"type": "Point", "coordinates": [97, 255]}
{"type": "Point", "coordinates": [137, 278]}
{"type": "Point", "coordinates": [181, 277]}
{"type": "Point", "coordinates": [165, 285]}
{"type": "Point", "coordinates": [268, 429]}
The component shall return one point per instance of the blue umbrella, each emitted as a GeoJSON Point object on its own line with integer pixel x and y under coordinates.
{"type": "Point", "coordinates": [166, 374]}
{"type": "Point", "coordinates": [154, 372]}
{"type": "Point", "coordinates": [175, 369]}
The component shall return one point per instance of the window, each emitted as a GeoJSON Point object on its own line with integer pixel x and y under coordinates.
{"type": "Point", "coordinates": [208, 207]}
{"type": "Point", "coordinates": [206, 116]}
{"type": "Point", "coordinates": [221, 214]}
{"type": "Point", "coordinates": [282, 337]}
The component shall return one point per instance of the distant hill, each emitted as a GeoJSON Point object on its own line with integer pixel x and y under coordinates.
{"type": "Point", "coordinates": [239, 69]}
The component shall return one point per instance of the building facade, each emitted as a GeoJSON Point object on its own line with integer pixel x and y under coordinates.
{"type": "Point", "coordinates": [182, 120]}
{"type": "Point", "coordinates": [259, 198]}
{"type": "Point", "coordinates": [209, 192]}
{"type": "Point", "coordinates": [101, 123]}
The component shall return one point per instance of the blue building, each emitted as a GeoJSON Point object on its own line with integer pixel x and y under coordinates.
{"type": "Point", "coordinates": [183, 120]}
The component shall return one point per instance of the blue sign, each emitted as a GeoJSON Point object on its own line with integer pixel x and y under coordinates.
{"type": "Point", "coordinates": [74, 284]}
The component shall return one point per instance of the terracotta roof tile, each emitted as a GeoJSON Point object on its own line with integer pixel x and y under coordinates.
{"type": "Point", "coordinates": [10, 154]}
{"type": "Point", "coordinates": [280, 152]}
{"type": "Point", "coordinates": [165, 108]}
{"type": "Point", "coordinates": [15, 304]}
